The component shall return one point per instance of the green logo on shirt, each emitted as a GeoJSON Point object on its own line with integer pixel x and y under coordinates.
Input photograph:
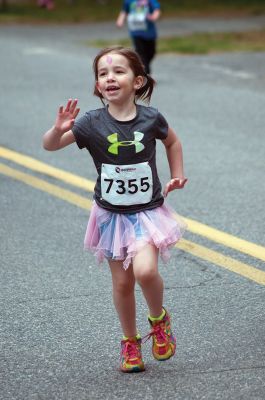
{"type": "Point", "coordinates": [114, 147]}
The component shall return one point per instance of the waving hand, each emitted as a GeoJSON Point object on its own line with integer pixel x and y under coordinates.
{"type": "Point", "coordinates": [66, 116]}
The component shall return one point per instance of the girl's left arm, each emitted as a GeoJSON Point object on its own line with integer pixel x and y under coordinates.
{"type": "Point", "coordinates": [175, 161]}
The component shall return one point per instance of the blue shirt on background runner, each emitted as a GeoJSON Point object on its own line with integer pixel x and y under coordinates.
{"type": "Point", "coordinates": [138, 24]}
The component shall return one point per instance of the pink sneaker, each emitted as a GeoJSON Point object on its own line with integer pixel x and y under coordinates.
{"type": "Point", "coordinates": [131, 355]}
{"type": "Point", "coordinates": [164, 343]}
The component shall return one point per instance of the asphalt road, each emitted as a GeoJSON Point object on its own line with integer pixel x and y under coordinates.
{"type": "Point", "coordinates": [59, 334]}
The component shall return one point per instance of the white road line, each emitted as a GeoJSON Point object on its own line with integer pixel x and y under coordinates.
{"type": "Point", "coordinates": [228, 71]}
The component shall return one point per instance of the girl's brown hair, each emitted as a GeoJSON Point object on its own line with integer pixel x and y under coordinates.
{"type": "Point", "coordinates": [135, 63]}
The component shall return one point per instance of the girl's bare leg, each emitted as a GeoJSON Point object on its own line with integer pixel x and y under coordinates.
{"type": "Point", "coordinates": [123, 283]}
{"type": "Point", "coordinates": [145, 267]}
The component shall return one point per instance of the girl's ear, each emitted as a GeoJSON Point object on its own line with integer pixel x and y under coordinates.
{"type": "Point", "coordinates": [138, 83]}
{"type": "Point", "coordinates": [97, 86]}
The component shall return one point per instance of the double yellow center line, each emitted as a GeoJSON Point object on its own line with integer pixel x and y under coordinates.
{"type": "Point", "coordinates": [195, 227]}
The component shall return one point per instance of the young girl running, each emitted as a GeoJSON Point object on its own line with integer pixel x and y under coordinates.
{"type": "Point", "coordinates": [129, 224]}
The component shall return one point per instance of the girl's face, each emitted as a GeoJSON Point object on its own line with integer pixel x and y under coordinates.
{"type": "Point", "coordinates": [116, 81]}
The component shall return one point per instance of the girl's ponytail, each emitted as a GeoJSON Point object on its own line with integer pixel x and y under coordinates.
{"type": "Point", "coordinates": [145, 92]}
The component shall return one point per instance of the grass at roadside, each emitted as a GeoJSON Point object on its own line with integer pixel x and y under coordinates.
{"type": "Point", "coordinates": [205, 43]}
{"type": "Point", "coordinates": [75, 11]}
{"type": "Point", "coordinates": [202, 43]}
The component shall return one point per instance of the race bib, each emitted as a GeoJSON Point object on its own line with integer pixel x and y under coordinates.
{"type": "Point", "coordinates": [125, 185]}
{"type": "Point", "coordinates": [137, 21]}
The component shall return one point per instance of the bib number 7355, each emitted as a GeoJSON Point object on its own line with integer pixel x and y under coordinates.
{"type": "Point", "coordinates": [126, 184]}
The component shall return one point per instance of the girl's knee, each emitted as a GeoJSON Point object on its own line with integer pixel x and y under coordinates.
{"type": "Point", "coordinates": [123, 288]}
{"type": "Point", "coordinates": [123, 281]}
{"type": "Point", "coordinates": [145, 274]}
{"type": "Point", "coordinates": [145, 265]}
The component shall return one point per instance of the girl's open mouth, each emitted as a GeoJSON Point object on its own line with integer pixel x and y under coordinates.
{"type": "Point", "coordinates": [112, 88]}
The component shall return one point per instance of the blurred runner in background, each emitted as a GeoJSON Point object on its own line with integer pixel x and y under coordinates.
{"type": "Point", "coordinates": [141, 16]}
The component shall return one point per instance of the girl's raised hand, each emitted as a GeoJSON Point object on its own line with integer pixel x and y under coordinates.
{"type": "Point", "coordinates": [66, 116]}
{"type": "Point", "coordinates": [174, 183]}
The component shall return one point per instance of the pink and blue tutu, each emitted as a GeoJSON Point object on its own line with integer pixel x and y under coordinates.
{"type": "Point", "coordinates": [119, 236]}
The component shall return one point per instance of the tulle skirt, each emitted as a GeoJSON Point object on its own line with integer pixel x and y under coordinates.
{"type": "Point", "coordinates": [119, 237]}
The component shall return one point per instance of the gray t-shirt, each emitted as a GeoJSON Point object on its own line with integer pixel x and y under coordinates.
{"type": "Point", "coordinates": [113, 144]}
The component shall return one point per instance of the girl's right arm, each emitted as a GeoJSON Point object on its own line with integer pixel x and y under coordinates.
{"type": "Point", "coordinates": [61, 135]}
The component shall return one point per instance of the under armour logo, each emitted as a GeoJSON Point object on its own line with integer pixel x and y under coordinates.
{"type": "Point", "coordinates": [114, 147]}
